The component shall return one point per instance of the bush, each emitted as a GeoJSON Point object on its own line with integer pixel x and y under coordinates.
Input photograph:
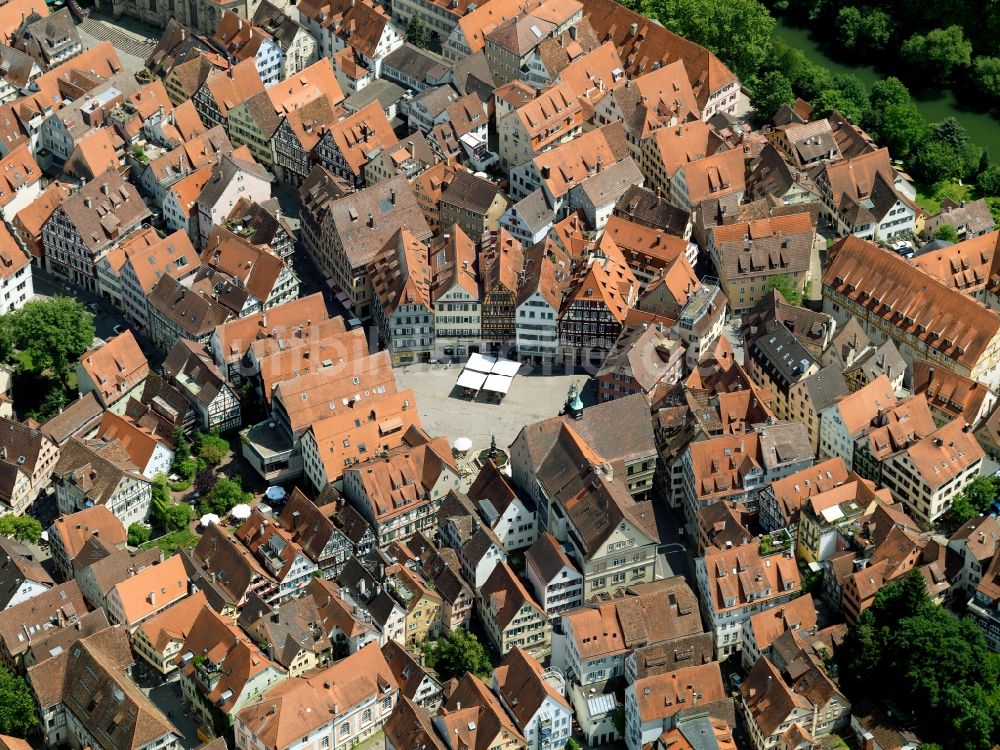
{"type": "Point", "coordinates": [212, 449]}
{"type": "Point", "coordinates": [138, 533]}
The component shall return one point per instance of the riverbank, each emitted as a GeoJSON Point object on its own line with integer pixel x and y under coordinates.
{"type": "Point", "coordinates": [981, 127]}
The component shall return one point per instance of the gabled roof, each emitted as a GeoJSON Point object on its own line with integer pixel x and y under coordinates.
{"type": "Point", "coordinates": [151, 589]}
{"type": "Point", "coordinates": [234, 86]}
{"type": "Point", "coordinates": [523, 688]}
{"type": "Point", "coordinates": [76, 528]}
{"type": "Point", "coordinates": [661, 697]}
{"type": "Point", "coordinates": [116, 367]}
{"type": "Point", "coordinates": [223, 645]}
{"type": "Point", "coordinates": [401, 273]}
{"type": "Point", "coordinates": [299, 705]}
{"type": "Point", "coordinates": [507, 595]}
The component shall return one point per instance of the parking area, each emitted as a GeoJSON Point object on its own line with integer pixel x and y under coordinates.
{"type": "Point", "coordinates": [443, 411]}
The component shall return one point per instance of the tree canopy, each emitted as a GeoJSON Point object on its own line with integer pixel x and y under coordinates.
{"type": "Point", "coordinates": [54, 332]}
{"type": "Point", "coordinates": [21, 528]}
{"type": "Point", "coordinates": [738, 31]}
{"type": "Point", "coordinates": [138, 533]}
{"type": "Point", "coordinates": [211, 448]}
{"type": "Point", "coordinates": [939, 53]}
{"type": "Point", "coordinates": [457, 653]}
{"type": "Point", "coordinates": [977, 497]}
{"type": "Point", "coordinates": [417, 33]}
{"type": "Point", "coordinates": [770, 93]}
{"type": "Point", "coordinates": [224, 496]}
{"type": "Point", "coordinates": [940, 670]}
{"type": "Point", "coordinates": [17, 706]}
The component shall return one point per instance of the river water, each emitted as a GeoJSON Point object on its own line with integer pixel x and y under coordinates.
{"type": "Point", "coordinates": [982, 128]}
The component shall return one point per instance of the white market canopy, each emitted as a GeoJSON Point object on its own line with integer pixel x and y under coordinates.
{"type": "Point", "coordinates": [479, 363]}
{"type": "Point", "coordinates": [506, 367]}
{"type": "Point", "coordinates": [463, 444]}
{"type": "Point", "coordinates": [471, 379]}
{"type": "Point", "coordinates": [240, 512]}
{"type": "Point", "coordinates": [209, 518]}
{"type": "Point", "coordinates": [498, 383]}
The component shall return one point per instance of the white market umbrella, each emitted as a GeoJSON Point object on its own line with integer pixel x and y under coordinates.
{"type": "Point", "coordinates": [463, 444]}
{"type": "Point", "coordinates": [240, 512]}
{"type": "Point", "coordinates": [274, 493]}
{"type": "Point", "coordinates": [209, 518]}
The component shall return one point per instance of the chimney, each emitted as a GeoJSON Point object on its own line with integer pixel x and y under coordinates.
{"type": "Point", "coordinates": [106, 189]}
{"type": "Point", "coordinates": [371, 221]}
{"type": "Point", "coordinates": [392, 196]}
{"type": "Point", "coordinates": [88, 202]}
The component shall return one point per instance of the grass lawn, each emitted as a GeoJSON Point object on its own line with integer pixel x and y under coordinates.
{"type": "Point", "coordinates": [929, 197]}
{"type": "Point", "coordinates": [24, 358]}
{"type": "Point", "coordinates": [169, 543]}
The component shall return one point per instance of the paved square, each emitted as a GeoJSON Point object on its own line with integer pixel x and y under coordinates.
{"type": "Point", "coordinates": [444, 411]}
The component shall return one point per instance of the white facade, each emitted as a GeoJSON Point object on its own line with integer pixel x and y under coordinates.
{"type": "Point", "coordinates": [16, 289]}
{"type": "Point", "coordinates": [537, 325]}
{"type": "Point", "coordinates": [558, 594]}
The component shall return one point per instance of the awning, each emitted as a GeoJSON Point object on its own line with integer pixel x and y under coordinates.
{"type": "Point", "coordinates": [471, 379]}
{"type": "Point", "coordinates": [498, 383]}
{"type": "Point", "coordinates": [479, 363]}
{"type": "Point", "coordinates": [506, 367]}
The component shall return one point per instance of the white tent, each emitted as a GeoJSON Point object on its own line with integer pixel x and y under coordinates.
{"type": "Point", "coordinates": [463, 444]}
{"type": "Point", "coordinates": [498, 383]}
{"type": "Point", "coordinates": [209, 518]}
{"type": "Point", "coordinates": [506, 367]}
{"type": "Point", "coordinates": [240, 512]}
{"type": "Point", "coordinates": [479, 363]}
{"type": "Point", "coordinates": [471, 379]}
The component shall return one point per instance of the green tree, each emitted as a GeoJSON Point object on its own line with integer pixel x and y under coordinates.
{"type": "Point", "coordinates": [939, 54]}
{"type": "Point", "coordinates": [946, 232]}
{"type": "Point", "coordinates": [834, 100]}
{"type": "Point", "coordinates": [976, 498]}
{"type": "Point", "coordinates": [902, 129]}
{"type": "Point", "coordinates": [888, 91]}
{"type": "Point", "coordinates": [457, 653]}
{"type": "Point", "coordinates": [738, 31]}
{"type": "Point", "coordinates": [178, 516]}
{"type": "Point", "coordinates": [986, 76]}
{"type": "Point", "coordinates": [416, 33]}
{"type": "Point", "coordinates": [572, 744]}
{"type": "Point", "coordinates": [138, 533]}
{"type": "Point", "coordinates": [54, 332]}
{"type": "Point", "coordinates": [877, 31]}
{"type": "Point", "coordinates": [849, 27]}
{"type": "Point", "coordinates": [17, 706]}
{"type": "Point", "coordinates": [781, 283]}
{"type": "Point", "coordinates": [224, 496]}
{"type": "Point", "coordinates": [769, 93]}
{"type": "Point", "coordinates": [21, 528]}
{"type": "Point", "coordinates": [53, 403]}
{"type": "Point", "coordinates": [211, 448]}
{"type": "Point", "coordinates": [936, 161]}
{"type": "Point", "coordinates": [942, 672]}
{"type": "Point", "coordinates": [988, 181]}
